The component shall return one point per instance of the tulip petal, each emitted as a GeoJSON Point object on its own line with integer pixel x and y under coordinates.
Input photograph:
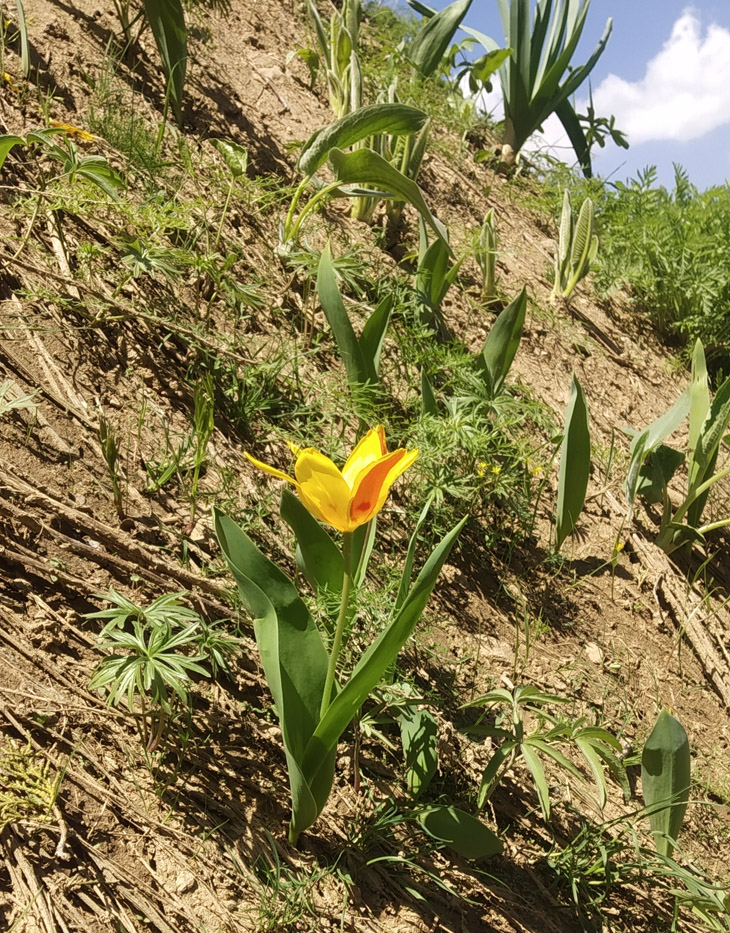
{"type": "Point", "coordinates": [322, 489]}
{"type": "Point", "coordinates": [367, 451]}
{"type": "Point", "coordinates": [269, 469]}
{"type": "Point", "coordinates": [373, 485]}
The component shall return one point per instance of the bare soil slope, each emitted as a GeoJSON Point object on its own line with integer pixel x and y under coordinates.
{"type": "Point", "coordinates": [197, 841]}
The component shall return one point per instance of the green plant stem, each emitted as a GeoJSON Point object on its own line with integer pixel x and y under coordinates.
{"type": "Point", "coordinates": [341, 620]}
{"type": "Point", "coordinates": [309, 208]}
{"type": "Point", "coordinates": [223, 214]}
{"type": "Point", "coordinates": [667, 532]}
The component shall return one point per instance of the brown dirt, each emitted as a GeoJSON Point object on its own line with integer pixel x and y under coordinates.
{"type": "Point", "coordinates": [193, 842]}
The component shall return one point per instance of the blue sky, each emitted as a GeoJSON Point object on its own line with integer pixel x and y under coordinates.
{"type": "Point", "coordinates": [665, 75]}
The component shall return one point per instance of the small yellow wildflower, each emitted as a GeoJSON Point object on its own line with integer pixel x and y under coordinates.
{"type": "Point", "coordinates": [71, 130]}
{"type": "Point", "coordinates": [8, 80]}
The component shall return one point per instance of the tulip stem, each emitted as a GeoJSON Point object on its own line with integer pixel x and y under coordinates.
{"type": "Point", "coordinates": [341, 620]}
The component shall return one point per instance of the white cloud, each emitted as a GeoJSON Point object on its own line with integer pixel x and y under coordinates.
{"type": "Point", "coordinates": [685, 91]}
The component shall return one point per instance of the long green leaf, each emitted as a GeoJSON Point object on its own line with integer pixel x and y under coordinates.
{"type": "Point", "coordinates": [572, 126]}
{"type": "Point", "coordinates": [24, 47]}
{"type": "Point", "coordinates": [358, 372]}
{"type": "Point", "coordinates": [373, 335]}
{"type": "Point", "coordinates": [378, 658]}
{"type": "Point", "coordinates": [501, 344]}
{"type": "Point", "coordinates": [374, 120]}
{"type": "Point", "coordinates": [429, 405]}
{"type": "Point", "coordinates": [665, 779]}
{"type": "Point", "coordinates": [575, 464]}
{"type": "Point", "coordinates": [167, 21]}
{"type": "Point", "coordinates": [537, 771]}
{"type": "Point", "coordinates": [321, 557]}
{"type": "Point", "coordinates": [294, 661]}
{"type": "Point", "coordinates": [428, 48]}
{"type": "Point", "coordinates": [365, 167]}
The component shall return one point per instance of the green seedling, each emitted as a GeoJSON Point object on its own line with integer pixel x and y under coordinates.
{"type": "Point", "coordinates": [236, 159]}
{"type": "Point", "coordinates": [577, 247]}
{"type": "Point", "coordinates": [203, 427]}
{"type": "Point", "coordinates": [485, 254]}
{"type": "Point", "coordinates": [361, 355]}
{"type": "Point", "coordinates": [151, 652]}
{"type": "Point", "coordinates": [12, 398]}
{"type": "Point", "coordinates": [110, 450]}
{"type": "Point", "coordinates": [513, 740]}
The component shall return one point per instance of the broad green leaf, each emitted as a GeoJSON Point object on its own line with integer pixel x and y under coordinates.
{"type": "Point", "coordinates": [294, 661]}
{"type": "Point", "coordinates": [463, 833]}
{"type": "Point", "coordinates": [310, 59]}
{"type": "Point", "coordinates": [6, 144]}
{"type": "Point", "coordinates": [575, 465]}
{"type": "Point", "coordinates": [373, 335]}
{"type": "Point", "coordinates": [501, 344]}
{"type": "Point", "coordinates": [645, 441]}
{"type": "Point", "coordinates": [99, 172]}
{"type": "Point", "coordinates": [376, 119]}
{"type": "Point", "coordinates": [358, 372]}
{"type": "Point", "coordinates": [665, 779]}
{"type": "Point", "coordinates": [657, 471]}
{"type": "Point", "coordinates": [321, 557]}
{"type": "Point", "coordinates": [486, 66]}
{"type": "Point", "coordinates": [419, 735]}
{"type": "Point", "coordinates": [378, 657]}
{"type": "Point", "coordinates": [235, 156]}
{"type": "Point", "coordinates": [365, 167]}
{"type": "Point", "coordinates": [167, 22]}
{"type": "Point", "coordinates": [431, 42]}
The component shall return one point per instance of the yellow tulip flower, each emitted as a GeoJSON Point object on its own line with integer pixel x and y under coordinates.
{"type": "Point", "coordinates": [350, 497]}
